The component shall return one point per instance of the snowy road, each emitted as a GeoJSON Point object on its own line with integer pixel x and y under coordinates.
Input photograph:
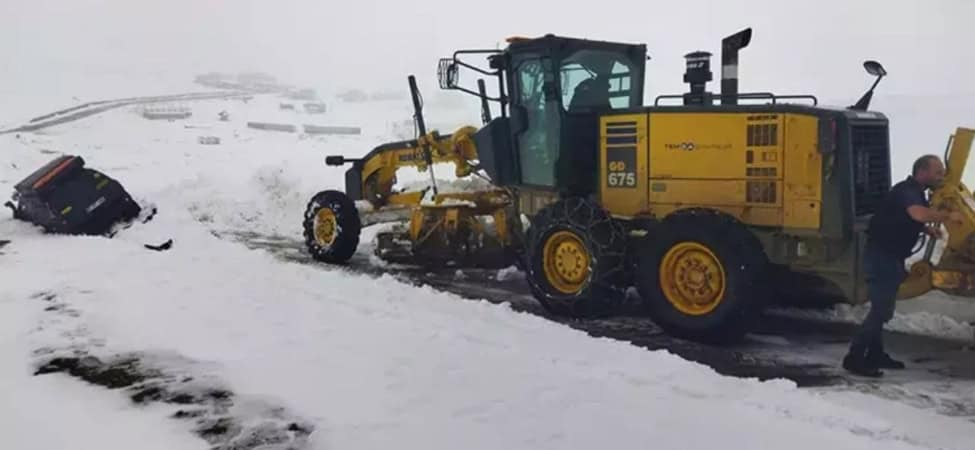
{"type": "Point", "coordinates": [941, 374]}
{"type": "Point", "coordinates": [90, 109]}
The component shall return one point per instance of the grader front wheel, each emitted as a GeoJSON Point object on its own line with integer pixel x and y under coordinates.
{"type": "Point", "coordinates": [566, 261]}
{"type": "Point", "coordinates": [331, 227]}
{"type": "Point", "coordinates": [575, 259]}
{"type": "Point", "coordinates": [325, 227]}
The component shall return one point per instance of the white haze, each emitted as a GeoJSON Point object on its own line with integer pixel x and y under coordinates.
{"type": "Point", "coordinates": [96, 48]}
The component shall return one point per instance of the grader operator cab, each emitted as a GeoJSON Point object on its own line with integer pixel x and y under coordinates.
{"type": "Point", "coordinates": [710, 204]}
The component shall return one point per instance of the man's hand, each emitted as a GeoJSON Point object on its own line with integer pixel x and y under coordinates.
{"type": "Point", "coordinates": [928, 215]}
{"type": "Point", "coordinates": [956, 217]}
{"type": "Point", "coordinates": [934, 232]}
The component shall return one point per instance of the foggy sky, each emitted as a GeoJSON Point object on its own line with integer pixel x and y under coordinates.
{"type": "Point", "coordinates": [797, 46]}
{"type": "Point", "coordinates": [84, 49]}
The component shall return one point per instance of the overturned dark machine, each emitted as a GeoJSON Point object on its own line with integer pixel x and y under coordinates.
{"type": "Point", "coordinates": [66, 197]}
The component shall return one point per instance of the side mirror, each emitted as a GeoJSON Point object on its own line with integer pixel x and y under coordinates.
{"type": "Point", "coordinates": [874, 68]}
{"type": "Point", "coordinates": [519, 119]}
{"type": "Point", "coordinates": [447, 73]}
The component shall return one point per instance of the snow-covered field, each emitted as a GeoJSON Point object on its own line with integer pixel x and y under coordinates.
{"type": "Point", "coordinates": [364, 362]}
{"type": "Point", "coordinates": [65, 87]}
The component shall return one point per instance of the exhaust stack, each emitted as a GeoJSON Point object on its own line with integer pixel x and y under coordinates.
{"type": "Point", "coordinates": [729, 64]}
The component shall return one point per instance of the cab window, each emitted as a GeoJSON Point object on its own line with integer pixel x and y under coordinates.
{"type": "Point", "coordinates": [596, 79]}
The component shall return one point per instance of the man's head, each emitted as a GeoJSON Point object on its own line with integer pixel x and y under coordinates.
{"type": "Point", "coordinates": [929, 171]}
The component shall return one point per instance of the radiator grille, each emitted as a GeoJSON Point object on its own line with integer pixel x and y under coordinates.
{"type": "Point", "coordinates": [871, 167]}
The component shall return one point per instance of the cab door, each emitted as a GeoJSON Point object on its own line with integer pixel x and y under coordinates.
{"type": "Point", "coordinates": [535, 120]}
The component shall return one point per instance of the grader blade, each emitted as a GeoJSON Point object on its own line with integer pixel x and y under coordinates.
{"type": "Point", "coordinates": [467, 229]}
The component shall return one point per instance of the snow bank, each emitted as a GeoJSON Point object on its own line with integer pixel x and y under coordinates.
{"type": "Point", "coordinates": [507, 273]}
{"type": "Point", "coordinates": [920, 322]}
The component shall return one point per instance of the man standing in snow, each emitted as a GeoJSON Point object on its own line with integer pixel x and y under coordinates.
{"type": "Point", "coordinates": [892, 234]}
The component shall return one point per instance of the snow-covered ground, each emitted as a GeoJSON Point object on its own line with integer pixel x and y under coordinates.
{"type": "Point", "coordinates": [365, 362]}
{"type": "Point", "coordinates": [933, 314]}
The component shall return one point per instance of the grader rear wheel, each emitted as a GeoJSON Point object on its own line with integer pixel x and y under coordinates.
{"type": "Point", "coordinates": [575, 259]}
{"type": "Point", "coordinates": [331, 227]}
{"type": "Point", "coordinates": [703, 276]}
{"type": "Point", "coordinates": [693, 278]}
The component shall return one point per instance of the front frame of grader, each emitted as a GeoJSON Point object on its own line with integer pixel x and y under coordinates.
{"type": "Point", "coordinates": [433, 228]}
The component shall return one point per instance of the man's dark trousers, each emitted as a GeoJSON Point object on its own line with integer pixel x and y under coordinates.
{"type": "Point", "coordinates": [884, 274]}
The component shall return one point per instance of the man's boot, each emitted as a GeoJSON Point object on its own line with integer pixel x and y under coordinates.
{"type": "Point", "coordinates": [856, 363]}
{"type": "Point", "coordinates": [884, 361]}
{"type": "Point", "coordinates": [877, 357]}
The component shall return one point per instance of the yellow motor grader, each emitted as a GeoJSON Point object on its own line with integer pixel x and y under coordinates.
{"type": "Point", "coordinates": [712, 205]}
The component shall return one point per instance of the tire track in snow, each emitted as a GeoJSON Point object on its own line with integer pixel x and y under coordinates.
{"type": "Point", "coordinates": [633, 327]}
{"type": "Point", "coordinates": [224, 419]}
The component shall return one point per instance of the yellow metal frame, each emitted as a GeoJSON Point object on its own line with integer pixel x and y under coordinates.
{"type": "Point", "coordinates": [953, 195]}
{"type": "Point", "coordinates": [379, 171]}
{"type": "Point", "coordinates": [624, 163]}
{"type": "Point", "coordinates": [955, 271]}
{"type": "Point", "coordinates": [445, 212]}
{"type": "Point", "coordinates": [763, 169]}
